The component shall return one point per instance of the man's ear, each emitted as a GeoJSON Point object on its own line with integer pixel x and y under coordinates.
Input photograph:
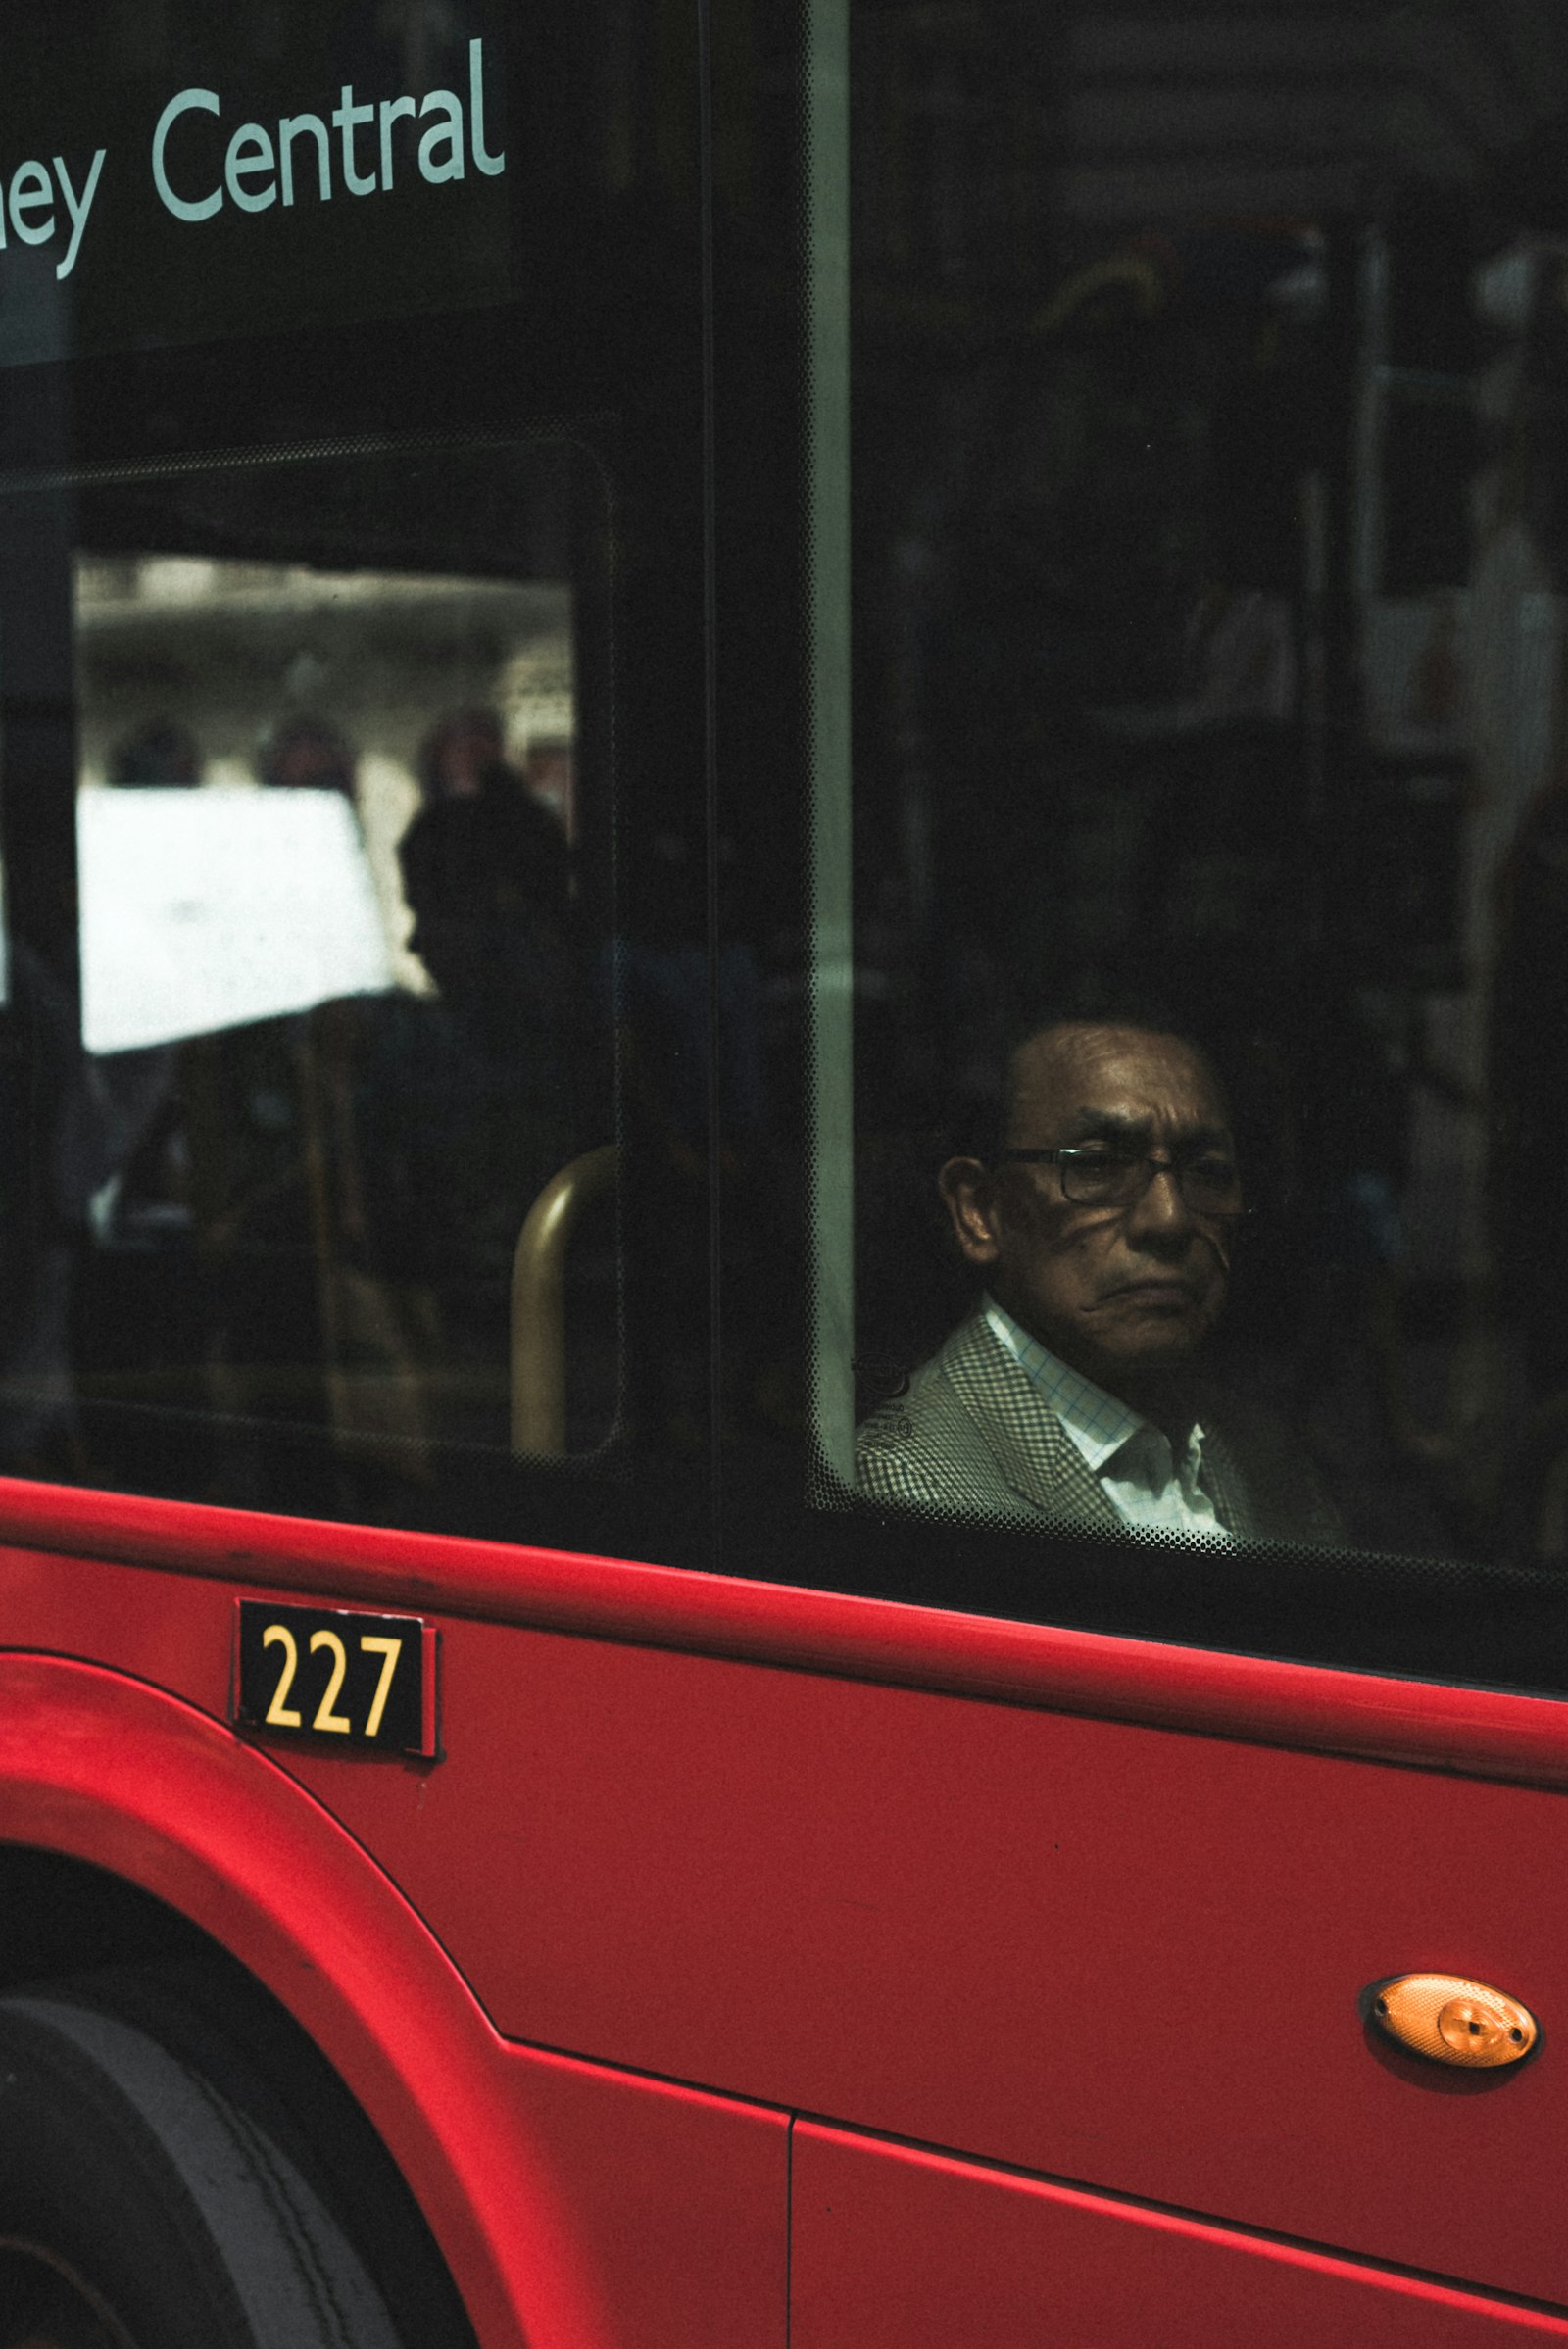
{"type": "Point", "coordinates": [966, 1189]}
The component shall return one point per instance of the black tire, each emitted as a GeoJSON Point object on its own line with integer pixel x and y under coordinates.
{"type": "Point", "coordinates": [141, 2207]}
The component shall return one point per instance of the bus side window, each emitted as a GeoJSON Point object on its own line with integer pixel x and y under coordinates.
{"type": "Point", "coordinates": [343, 1015]}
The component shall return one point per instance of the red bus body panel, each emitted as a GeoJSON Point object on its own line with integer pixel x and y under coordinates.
{"type": "Point", "coordinates": [566, 2200]}
{"type": "Point", "coordinates": [874, 2227]}
{"type": "Point", "coordinates": [694, 1830]}
{"type": "Point", "coordinates": [1486, 1731]}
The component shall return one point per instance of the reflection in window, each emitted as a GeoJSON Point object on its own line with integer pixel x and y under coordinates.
{"type": "Point", "coordinates": [384, 689]}
{"type": "Point", "coordinates": [340, 1016]}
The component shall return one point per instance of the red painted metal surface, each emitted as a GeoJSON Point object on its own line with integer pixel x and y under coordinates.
{"type": "Point", "coordinates": [873, 1903]}
{"type": "Point", "coordinates": [1125, 1956]}
{"type": "Point", "coordinates": [1485, 1732]}
{"type": "Point", "coordinates": [575, 2208]}
{"type": "Point", "coordinates": [677, 2202]}
{"type": "Point", "coordinates": [811, 1891]}
{"type": "Point", "coordinates": [898, 2249]}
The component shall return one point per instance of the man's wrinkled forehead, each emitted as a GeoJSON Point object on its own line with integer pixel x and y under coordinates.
{"type": "Point", "coordinates": [1093, 1076]}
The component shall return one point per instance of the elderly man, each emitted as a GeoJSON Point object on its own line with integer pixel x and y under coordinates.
{"type": "Point", "coordinates": [1101, 1228]}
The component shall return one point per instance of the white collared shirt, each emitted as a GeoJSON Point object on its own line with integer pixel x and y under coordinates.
{"type": "Point", "coordinates": [1131, 1457]}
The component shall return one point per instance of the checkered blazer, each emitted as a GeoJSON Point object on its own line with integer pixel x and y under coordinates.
{"type": "Point", "coordinates": [974, 1437]}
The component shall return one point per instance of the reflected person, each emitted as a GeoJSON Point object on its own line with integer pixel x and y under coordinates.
{"type": "Point", "coordinates": [1101, 1225]}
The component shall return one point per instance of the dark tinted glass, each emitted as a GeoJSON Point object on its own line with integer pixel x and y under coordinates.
{"type": "Point", "coordinates": [355, 1147]}
{"type": "Point", "coordinates": [1202, 790]}
{"type": "Point", "coordinates": [988, 583]}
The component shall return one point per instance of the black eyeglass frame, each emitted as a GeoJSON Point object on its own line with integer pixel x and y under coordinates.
{"type": "Point", "coordinates": [1066, 1157]}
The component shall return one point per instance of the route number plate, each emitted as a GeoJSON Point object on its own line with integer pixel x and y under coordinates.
{"type": "Point", "coordinates": [336, 1676]}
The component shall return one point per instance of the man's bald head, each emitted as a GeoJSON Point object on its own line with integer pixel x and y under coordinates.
{"type": "Point", "coordinates": [1061, 1051]}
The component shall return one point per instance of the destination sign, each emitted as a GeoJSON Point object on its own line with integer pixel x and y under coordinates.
{"type": "Point", "coordinates": [259, 165]}
{"type": "Point", "coordinates": [227, 185]}
{"type": "Point", "coordinates": [45, 206]}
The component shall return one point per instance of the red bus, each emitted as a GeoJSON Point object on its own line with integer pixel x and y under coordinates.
{"type": "Point", "coordinates": [783, 1464]}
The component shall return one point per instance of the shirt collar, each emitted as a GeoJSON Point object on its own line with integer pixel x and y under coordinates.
{"type": "Point", "coordinates": [1097, 1422]}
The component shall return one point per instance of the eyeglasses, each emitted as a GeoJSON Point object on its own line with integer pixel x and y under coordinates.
{"type": "Point", "coordinates": [1096, 1176]}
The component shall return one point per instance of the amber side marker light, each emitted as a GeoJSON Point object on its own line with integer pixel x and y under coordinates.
{"type": "Point", "coordinates": [1453, 2020]}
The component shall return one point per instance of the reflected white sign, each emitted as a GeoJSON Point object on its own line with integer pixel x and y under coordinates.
{"type": "Point", "coordinates": [207, 908]}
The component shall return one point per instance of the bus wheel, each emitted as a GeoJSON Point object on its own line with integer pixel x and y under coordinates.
{"type": "Point", "coordinates": [142, 2208]}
